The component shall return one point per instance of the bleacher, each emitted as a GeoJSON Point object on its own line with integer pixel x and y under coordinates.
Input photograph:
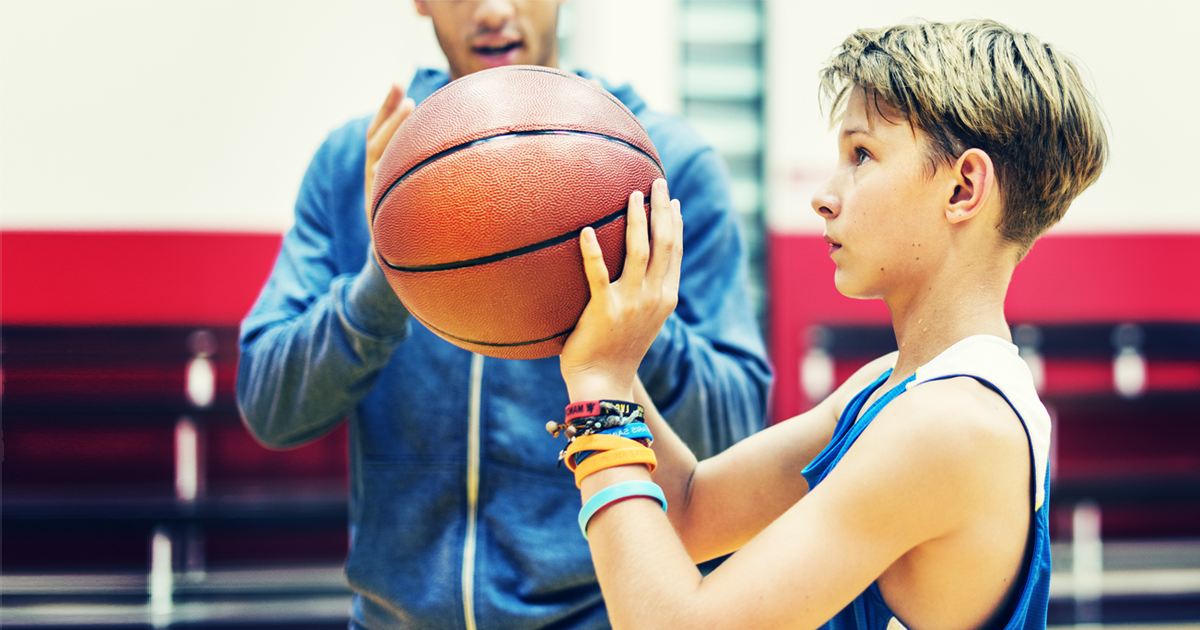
{"type": "Point", "coordinates": [134, 497]}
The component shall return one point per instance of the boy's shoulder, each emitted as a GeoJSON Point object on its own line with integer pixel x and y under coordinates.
{"type": "Point", "coordinates": [971, 407]}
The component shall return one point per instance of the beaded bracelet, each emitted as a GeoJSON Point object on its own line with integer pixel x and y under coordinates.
{"type": "Point", "coordinates": [618, 492]}
{"type": "Point", "coordinates": [594, 416]}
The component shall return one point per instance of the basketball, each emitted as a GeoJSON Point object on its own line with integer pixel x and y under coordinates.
{"type": "Point", "coordinates": [481, 195]}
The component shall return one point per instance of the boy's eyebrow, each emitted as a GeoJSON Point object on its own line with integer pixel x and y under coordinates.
{"type": "Point", "coordinates": [846, 133]}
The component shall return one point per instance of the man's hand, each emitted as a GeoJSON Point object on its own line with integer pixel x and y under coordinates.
{"type": "Point", "coordinates": [393, 112]}
{"type": "Point", "coordinates": [601, 357]}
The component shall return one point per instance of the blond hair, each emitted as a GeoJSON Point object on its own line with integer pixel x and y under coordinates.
{"type": "Point", "coordinates": [979, 84]}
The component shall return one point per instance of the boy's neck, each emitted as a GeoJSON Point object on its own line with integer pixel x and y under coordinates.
{"type": "Point", "coordinates": [946, 311]}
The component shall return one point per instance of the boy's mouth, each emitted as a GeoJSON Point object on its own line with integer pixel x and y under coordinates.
{"type": "Point", "coordinates": [833, 245]}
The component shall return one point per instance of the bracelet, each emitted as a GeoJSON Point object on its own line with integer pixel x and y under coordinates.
{"type": "Point", "coordinates": [618, 492]}
{"type": "Point", "coordinates": [594, 416]}
{"type": "Point", "coordinates": [633, 431]}
{"type": "Point", "coordinates": [636, 431]}
{"type": "Point", "coordinates": [586, 445]}
{"type": "Point", "coordinates": [610, 459]}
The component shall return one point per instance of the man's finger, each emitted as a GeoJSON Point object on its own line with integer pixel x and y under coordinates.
{"type": "Point", "coordinates": [378, 141]}
{"type": "Point", "coordinates": [389, 104]}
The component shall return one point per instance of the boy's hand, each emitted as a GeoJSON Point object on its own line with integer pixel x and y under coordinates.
{"type": "Point", "coordinates": [601, 357]}
{"type": "Point", "coordinates": [393, 112]}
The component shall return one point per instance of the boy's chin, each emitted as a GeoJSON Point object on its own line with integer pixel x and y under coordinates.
{"type": "Point", "coordinates": [847, 287]}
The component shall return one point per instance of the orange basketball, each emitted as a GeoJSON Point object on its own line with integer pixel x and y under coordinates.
{"type": "Point", "coordinates": [482, 193]}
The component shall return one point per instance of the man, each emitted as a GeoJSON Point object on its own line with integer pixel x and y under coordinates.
{"type": "Point", "coordinates": [457, 508]}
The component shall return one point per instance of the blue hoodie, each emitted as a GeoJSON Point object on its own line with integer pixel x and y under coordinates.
{"type": "Point", "coordinates": [459, 517]}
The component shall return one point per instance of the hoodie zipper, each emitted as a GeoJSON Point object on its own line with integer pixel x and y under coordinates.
{"type": "Point", "coordinates": [473, 426]}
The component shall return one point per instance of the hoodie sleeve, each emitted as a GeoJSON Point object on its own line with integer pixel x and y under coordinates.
{"type": "Point", "coordinates": [326, 322]}
{"type": "Point", "coordinates": [707, 370]}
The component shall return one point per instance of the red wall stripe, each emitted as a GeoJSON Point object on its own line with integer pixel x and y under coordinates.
{"type": "Point", "coordinates": [132, 278]}
{"type": "Point", "coordinates": [1064, 279]}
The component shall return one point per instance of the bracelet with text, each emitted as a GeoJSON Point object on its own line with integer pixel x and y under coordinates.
{"type": "Point", "coordinates": [611, 459]}
{"type": "Point", "coordinates": [594, 416]}
{"type": "Point", "coordinates": [619, 492]}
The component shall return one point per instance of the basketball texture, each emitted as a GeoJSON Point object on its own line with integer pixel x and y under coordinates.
{"type": "Point", "coordinates": [481, 195]}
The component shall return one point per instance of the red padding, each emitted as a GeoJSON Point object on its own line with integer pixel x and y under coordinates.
{"type": "Point", "coordinates": [125, 278]}
{"type": "Point", "coordinates": [1065, 279]}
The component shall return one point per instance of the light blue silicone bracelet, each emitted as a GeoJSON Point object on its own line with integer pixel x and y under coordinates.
{"type": "Point", "coordinates": [616, 492]}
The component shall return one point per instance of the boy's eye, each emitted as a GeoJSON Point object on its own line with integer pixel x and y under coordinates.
{"type": "Point", "coordinates": [861, 155]}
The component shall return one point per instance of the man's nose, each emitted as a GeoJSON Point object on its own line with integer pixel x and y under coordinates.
{"type": "Point", "coordinates": [494, 14]}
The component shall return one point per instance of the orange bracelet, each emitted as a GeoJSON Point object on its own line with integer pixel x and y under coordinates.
{"type": "Point", "coordinates": [596, 442]}
{"type": "Point", "coordinates": [619, 457]}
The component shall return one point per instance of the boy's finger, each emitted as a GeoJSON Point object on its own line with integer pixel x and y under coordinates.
{"type": "Point", "coordinates": [593, 263]}
{"type": "Point", "coordinates": [637, 249]}
{"type": "Point", "coordinates": [671, 281]}
{"type": "Point", "coordinates": [662, 227]}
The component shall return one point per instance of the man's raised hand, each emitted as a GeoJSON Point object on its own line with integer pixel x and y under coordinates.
{"type": "Point", "coordinates": [393, 112]}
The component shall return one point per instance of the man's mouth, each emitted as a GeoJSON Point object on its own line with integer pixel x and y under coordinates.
{"type": "Point", "coordinates": [495, 51]}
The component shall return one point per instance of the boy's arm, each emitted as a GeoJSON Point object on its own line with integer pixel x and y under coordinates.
{"type": "Point", "coordinates": [915, 475]}
{"type": "Point", "coordinates": [719, 504]}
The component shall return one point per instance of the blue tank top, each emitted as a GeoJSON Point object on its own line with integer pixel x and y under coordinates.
{"type": "Point", "coordinates": [996, 364]}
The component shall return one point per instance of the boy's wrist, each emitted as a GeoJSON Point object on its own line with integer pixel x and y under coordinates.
{"type": "Point", "coordinates": [596, 387]}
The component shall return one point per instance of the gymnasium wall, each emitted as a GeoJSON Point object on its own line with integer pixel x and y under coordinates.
{"type": "Point", "coordinates": [150, 151]}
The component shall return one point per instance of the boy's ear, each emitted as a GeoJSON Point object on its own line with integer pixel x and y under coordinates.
{"type": "Point", "coordinates": [975, 183]}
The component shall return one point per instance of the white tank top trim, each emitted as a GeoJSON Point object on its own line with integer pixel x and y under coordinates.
{"type": "Point", "coordinates": [998, 362]}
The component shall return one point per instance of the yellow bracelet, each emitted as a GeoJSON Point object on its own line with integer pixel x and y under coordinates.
{"type": "Point", "coordinates": [596, 442]}
{"type": "Point", "coordinates": [610, 459]}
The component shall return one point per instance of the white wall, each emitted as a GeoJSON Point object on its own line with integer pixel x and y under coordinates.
{"type": "Point", "coordinates": [1140, 57]}
{"type": "Point", "coordinates": [188, 114]}
{"type": "Point", "coordinates": [204, 114]}
{"type": "Point", "coordinates": [629, 41]}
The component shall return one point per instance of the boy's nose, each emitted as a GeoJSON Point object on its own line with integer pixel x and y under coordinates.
{"type": "Point", "coordinates": [825, 203]}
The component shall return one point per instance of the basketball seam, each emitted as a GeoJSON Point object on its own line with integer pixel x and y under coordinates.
{"type": "Point", "coordinates": [515, 344]}
{"type": "Point", "coordinates": [512, 253]}
{"type": "Point", "coordinates": [508, 134]}
{"type": "Point", "coordinates": [552, 71]}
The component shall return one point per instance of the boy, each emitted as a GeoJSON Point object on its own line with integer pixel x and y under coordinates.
{"type": "Point", "coordinates": [917, 490]}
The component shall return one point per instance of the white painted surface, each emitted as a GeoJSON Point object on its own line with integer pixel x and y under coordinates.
{"type": "Point", "coordinates": [189, 114]}
{"type": "Point", "coordinates": [629, 41]}
{"type": "Point", "coordinates": [203, 114]}
{"type": "Point", "coordinates": [1134, 53]}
